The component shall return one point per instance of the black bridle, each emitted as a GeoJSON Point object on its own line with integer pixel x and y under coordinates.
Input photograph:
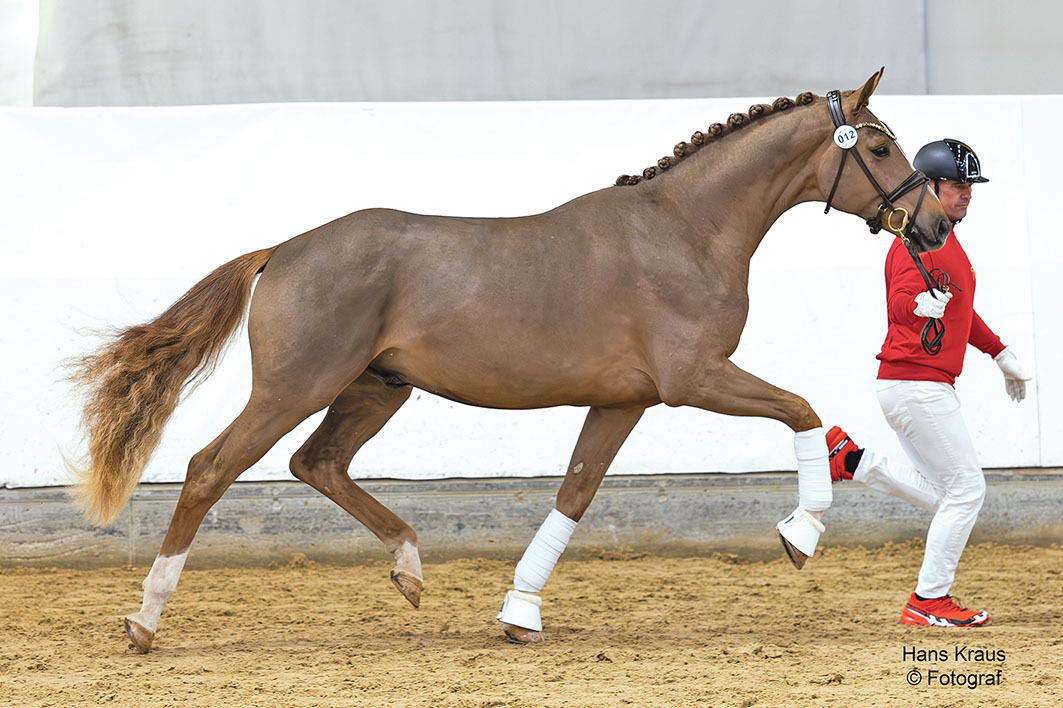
{"type": "Point", "coordinates": [845, 137]}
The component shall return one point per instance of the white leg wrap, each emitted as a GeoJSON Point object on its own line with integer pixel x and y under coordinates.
{"type": "Point", "coordinates": [521, 609]}
{"type": "Point", "coordinates": [521, 606]}
{"type": "Point", "coordinates": [542, 554]}
{"type": "Point", "coordinates": [813, 470]}
{"type": "Point", "coordinates": [802, 530]}
{"type": "Point", "coordinates": [158, 586]}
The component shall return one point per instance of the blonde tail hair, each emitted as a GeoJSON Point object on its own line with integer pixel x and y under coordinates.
{"type": "Point", "coordinates": [133, 382]}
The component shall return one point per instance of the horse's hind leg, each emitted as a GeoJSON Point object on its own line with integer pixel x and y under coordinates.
{"type": "Point", "coordinates": [354, 417]}
{"type": "Point", "coordinates": [603, 433]}
{"type": "Point", "coordinates": [210, 472]}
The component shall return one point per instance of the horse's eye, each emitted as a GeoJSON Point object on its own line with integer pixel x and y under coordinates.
{"type": "Point", "coordinates": [881, 151]}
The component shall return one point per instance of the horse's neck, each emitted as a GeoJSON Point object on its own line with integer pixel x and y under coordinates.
{"type": "Point", "coordinates": [739, 188]}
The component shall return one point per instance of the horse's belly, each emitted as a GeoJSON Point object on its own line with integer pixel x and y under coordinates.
{"type": "Point", "coordinates": [520, 382]}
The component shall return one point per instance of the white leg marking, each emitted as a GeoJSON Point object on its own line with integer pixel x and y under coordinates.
{"type": "Point", "coordinates": [158, 586]}
{"type": "Point", "coordinates": [408, 560]}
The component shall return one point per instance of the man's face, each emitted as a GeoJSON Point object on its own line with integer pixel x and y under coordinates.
{"type": "Point", "coordinates": [954, 196]}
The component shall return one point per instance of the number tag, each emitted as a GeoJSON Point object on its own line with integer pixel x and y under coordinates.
{"type": "Point", "coordinates": [845, 137]}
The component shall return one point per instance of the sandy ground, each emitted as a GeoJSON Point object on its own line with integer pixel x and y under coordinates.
{"type": "Point", "coordinates": [621, 629]}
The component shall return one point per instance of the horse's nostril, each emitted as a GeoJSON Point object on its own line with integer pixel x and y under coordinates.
{"type": "Point", "coordinates": [943, 228]}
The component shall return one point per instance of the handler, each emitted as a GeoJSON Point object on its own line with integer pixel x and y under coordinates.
{"type": "Point", "coordinates": [915, 390]}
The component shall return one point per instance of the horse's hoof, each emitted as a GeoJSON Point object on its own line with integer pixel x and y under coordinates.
{"type": "Point", "coordinates": [410, 586]}
{"type": "Point", "coordinates": [520, 635]}
{"type": "Point", "coordinates": [799, 533]}
{"type": "Point", "coordinates": [796, 557]}
{"type": "Point", "coordinates": [140, 637]}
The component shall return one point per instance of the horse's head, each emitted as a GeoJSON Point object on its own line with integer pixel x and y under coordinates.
{"type": "Point", "coordinates": [862, 170]}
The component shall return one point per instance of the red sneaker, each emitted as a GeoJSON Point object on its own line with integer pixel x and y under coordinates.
{"type": "Point", "coordinates": [838, 445]}
{"type": "Point", "coordinates": [940, 612]}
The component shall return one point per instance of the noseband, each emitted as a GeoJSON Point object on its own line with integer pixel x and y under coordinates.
{"type": "Point", "coordinates": [893, 218]}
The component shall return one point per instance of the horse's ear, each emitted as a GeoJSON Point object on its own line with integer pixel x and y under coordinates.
{"type": "Point", "coordinates": [863, 94]}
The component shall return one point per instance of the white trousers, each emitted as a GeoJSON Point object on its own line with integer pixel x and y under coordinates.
{"type": "Point", "coordinates": [944, 476]}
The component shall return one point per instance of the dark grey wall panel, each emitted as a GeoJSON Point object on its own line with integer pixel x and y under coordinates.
{"type": "Point", "coordinates": [259, 523]}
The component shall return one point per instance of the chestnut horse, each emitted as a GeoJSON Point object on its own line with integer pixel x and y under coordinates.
{"type": "Point", "coordinates": [619, 300]}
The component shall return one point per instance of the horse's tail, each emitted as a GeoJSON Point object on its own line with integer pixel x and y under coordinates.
{"type": "Point", "coordinates": [134, 381]}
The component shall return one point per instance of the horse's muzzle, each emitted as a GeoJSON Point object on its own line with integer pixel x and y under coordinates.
{"type": "Point", "coordinates": [923, 242]}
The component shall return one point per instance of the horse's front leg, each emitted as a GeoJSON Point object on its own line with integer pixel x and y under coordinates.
{"type": "Point", "coordinates": [603, 433]}
{"type": "Point", "coordinates": [722, 387]}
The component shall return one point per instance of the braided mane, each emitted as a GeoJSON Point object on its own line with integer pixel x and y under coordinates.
{"type": "Point", "coordinates": [715, 131]}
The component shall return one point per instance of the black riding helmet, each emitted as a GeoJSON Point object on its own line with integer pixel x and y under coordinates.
{"type": "Point", "coordinates": [949, 159]}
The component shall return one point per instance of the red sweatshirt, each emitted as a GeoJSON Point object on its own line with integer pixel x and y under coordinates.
{"type": "Point", "coordinates": [902, 355]}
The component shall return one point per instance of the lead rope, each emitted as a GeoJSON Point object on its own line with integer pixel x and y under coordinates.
{"type": "Point", "coordinates": [933, 332]}
{"type": "Point", "coordinates": [933, 329]}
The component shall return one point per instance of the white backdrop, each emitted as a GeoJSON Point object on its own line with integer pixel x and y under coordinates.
{"type": "Point", "coordinates": [110, 214]}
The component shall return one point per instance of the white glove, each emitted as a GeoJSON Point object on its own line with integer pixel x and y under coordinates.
{"type": "Point", "coordinates": [1014, 377]}
{"type": "Point", "coordinates": [927, 306]}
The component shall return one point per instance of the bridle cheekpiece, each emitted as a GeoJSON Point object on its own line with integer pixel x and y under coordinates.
{"type": "Point", "coordinates": [894, 219]}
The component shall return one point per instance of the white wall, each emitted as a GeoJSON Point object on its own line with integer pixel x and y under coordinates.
{"type": "Point", "coordinates": [110, 214]}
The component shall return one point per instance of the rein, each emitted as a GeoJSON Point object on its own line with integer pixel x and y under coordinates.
{"type": "Point", "coordinates": [845, 137]}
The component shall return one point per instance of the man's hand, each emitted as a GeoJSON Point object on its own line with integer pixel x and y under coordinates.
{"type": "Point", "coordinates": [1014, 377]}
{"type": "Point", "coordinates": [927, 305]}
